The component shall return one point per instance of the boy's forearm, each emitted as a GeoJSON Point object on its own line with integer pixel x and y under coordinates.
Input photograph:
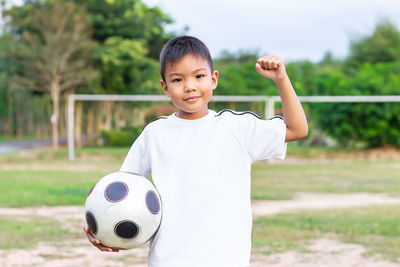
{"type": "Point", "coordinates": [273, 67]}
{"type": "Point", "coordinates": [293, 113]}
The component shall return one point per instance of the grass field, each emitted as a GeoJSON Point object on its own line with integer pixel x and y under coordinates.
{"type": "Point", "coordinates": [19, 232]}
{"type": "Point", "coordinates": [282, 181]}
{"type": "Point", "coordinates": [377, 228]}
{"type": "Point", "coordinates": [45, 177]}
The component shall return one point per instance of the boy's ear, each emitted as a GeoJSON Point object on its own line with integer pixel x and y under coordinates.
{"type": "Point", "coordinates": [214, 79]}
{"type": "Point", "coordinates": [165, 87]}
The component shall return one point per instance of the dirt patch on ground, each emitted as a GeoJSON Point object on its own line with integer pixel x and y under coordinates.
{"type": "Point", "coordinates": [58, 166]}
{"type": "Point", "coordinates": [80, 252]}
{"type": "Point", "coordinates": [308, 201]}
{"type": "Point", "coordinates": [322, 252]}
{"type": "Point", "coordinates": [376, 154]}
{"type": "Point", "coordinates": [71, 253]}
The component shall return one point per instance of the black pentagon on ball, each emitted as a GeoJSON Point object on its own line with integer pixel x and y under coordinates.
{"type": "Point", "coordinates": [91, 222]}
{"type": "Point", "coordinates": [152, 202]}
{"type": "Point", "coordinates": [116, 191]}
{"type": "Point", "coordinates": [126, 229]}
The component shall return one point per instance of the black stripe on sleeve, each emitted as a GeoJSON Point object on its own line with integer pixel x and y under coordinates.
{"type": "Point", "coordinates": [246, 112]}
{"type": "Point", "coordinates": [162, 117]}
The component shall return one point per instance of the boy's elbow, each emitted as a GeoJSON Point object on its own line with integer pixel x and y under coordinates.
{"type": "Point", "coordinates": [301, 134]}
{"type": "Point", "coordinates": [296, 135]}
{"type": "Point", "coordinates": [304, 134]}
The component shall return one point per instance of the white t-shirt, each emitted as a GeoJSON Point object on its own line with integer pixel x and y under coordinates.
{"type": "Point", "coordinates": [201, 169]}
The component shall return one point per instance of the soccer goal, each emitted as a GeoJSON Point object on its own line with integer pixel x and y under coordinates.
{"type": "Point", "coordinates": [269, 105]}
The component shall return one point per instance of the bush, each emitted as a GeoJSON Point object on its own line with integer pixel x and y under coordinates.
{"type": "Point", "coordinates": [123, 137]}
{"type": "Point", "coordinates": [374, 124]}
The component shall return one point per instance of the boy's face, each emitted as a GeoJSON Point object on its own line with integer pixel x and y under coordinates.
{"type": "Point", "coordinates": [189, 83]}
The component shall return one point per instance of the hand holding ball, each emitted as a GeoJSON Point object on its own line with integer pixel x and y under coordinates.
{"type": "Point", "coordinates": [123, 210]}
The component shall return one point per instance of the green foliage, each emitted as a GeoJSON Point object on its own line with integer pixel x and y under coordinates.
{"type": "Point", "coordinates": [124, 137]}
{"type": "Point", "coordinates": [237, 78]}
{"type": "Point", "coordinates": [373, 124]}
{"type": "Point", "coordinates": [56, 51]}
{"type": "Point", "coordinates": [130, 37]}
{"type": "Point", "coordinates": [372, 68]}
{"type": "Point", "coordinates": [303, 74]}
{"type": "Point", "coordinates": [128, 19]}
{"type": "Point", "coordinates": [126, 69]}
{"type": "Point", "coordinates": [382, 46]}
{"type": "Point", "coordinates": [54, 55]}
{"type": "Point", "coordinates": [119, 40]}
{"type": "Point", "coordinates": [5, 66]}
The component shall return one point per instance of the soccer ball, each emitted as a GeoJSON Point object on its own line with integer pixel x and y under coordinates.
{"type": "Point", "coordinates": [123, 210]}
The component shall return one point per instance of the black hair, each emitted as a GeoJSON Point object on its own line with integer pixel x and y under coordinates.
{"type": "Point", "coordinates": [178, 47]}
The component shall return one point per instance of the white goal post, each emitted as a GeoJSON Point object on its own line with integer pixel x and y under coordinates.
{"type": "Point", "coordinates": [269, 105]}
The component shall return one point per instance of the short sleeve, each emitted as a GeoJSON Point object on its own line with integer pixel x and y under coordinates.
{"type": "Point", "coordinates": [137, 161]}
{"type": "Point", "coordinates": [261, 139]}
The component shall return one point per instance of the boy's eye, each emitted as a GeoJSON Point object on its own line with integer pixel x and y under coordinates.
{"type": "Point", "coordinates": [199, 76]}
{"type": "Point", "coordinates": [176, 80]}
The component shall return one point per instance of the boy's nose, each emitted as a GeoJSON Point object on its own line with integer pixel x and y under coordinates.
{"type": "Point", "coordinates": [189, 87]}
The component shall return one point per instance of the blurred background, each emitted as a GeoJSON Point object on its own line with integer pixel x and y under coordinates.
{"type": "Point", "coordinates": [50, 49]}
{"type": "Point", "coordinates": [348, 166]}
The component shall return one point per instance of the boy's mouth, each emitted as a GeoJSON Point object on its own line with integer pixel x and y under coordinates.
{"type": "Point", "coordinates": [191, 99]}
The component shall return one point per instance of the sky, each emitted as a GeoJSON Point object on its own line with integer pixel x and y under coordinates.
{"type": "Point", "coordinates": [293, 29]}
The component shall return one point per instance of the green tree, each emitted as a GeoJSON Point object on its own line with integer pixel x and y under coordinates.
{"type": "Point", "coordinates": [6, 67]}
{"type": "Point", "coordinates": [372, 124]}
{"type": "Point", "coordinates": [372, 68]}
{"type": "Point", "coordinates": [302, 75]}
{"type": "Point", "coordinates": [129, 19]}
{"type": "Point", "coordinates": [237, 74]}
{"type": "Point", "coordinates": [131, 36]}
{"type": "Point", "coordinates": [126, 69]}
{"type": "Point", "coordinates": [117, 25]}
{"type": "Point", "coordinates": [55, 53]}
{"type": "Point", "coordinates": [382, 46]}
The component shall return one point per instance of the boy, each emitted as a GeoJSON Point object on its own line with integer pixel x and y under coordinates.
{"type": "Point", "coordinates": [201, 161]}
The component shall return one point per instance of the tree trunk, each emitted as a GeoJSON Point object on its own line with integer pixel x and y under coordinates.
{"type": "Point", "coordinates": [38, 132]}
{"type": "Point", "coordinates": [55, 97]}
{"type": "Point", "coordinates": [117, 116]}
{"type": "Point", "coordinates": [78, 123]}
{"type": "Point", "coordinates": [49, 111]}
{"type": "Point", "coordinates": [62, 118]}
{"type": "Point", "coordinates": [19, 119]}
{"type": "Point", "coordinates": [30, 121]}
{"type": "Point", "coordinates": [139, 117]}
{"type": "Point", "coordinates": [128, 115]}
{"type": "Point", "coordinates": [10, 112]}
{"type": "Point", "coordinates": [90, 125]}
{"type": "Point", "coordinates": [108, 111]}
{"type": "Point", "coordinates": [99, 124]}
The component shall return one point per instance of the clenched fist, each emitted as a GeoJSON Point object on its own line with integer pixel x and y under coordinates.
{"type": "Point", "coordinates": [272, 67]}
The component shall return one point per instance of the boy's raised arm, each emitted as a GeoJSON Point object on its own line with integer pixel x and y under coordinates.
{"type": "Point", "coordinates": [272, 67]}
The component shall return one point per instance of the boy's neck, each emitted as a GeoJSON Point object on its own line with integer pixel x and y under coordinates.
{"type": "Point", "coordinates": [191, 116]}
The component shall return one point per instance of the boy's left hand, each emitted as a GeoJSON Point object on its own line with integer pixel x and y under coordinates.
{"type": "Point", "coordinates": [272, 67]}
